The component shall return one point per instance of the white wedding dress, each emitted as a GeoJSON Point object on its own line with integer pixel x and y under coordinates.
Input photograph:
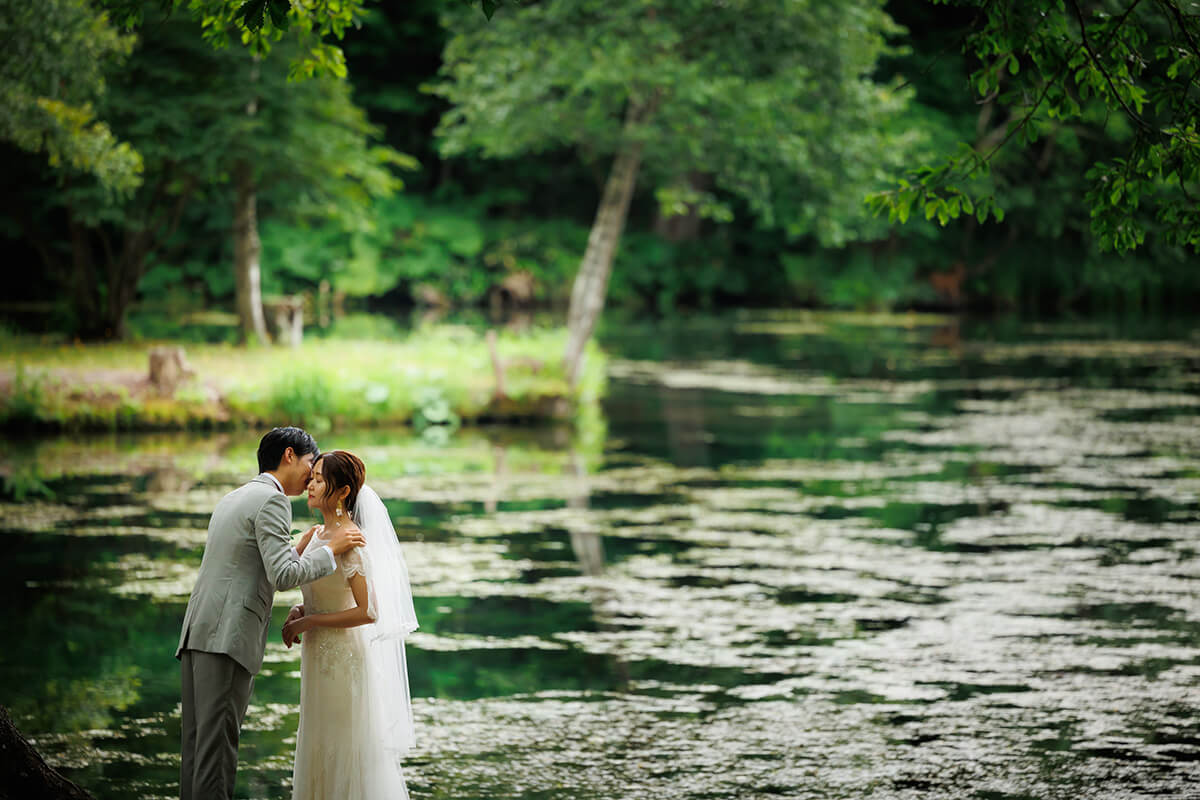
{"type": "Point", "coordinates": [355, 710]}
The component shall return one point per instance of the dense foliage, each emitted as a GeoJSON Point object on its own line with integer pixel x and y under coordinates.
{"type": "Point", "coordinates": [751, 188]}
{"type": "Point", "coordinates": [1122, 71]}
{"type": "Point", "coordinates": [184, 106]}
{"type": "Point", "coordinates": [51, 75]}
{"type": "Point", "coordinates": [747, 101]}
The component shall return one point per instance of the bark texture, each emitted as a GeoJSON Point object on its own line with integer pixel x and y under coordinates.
{"type": "Point", "coordinates": [26, 774]}
{"type": "Point", "coordinates": [591, 284]}
{"type": "Point", "coordinates": [246, 252]}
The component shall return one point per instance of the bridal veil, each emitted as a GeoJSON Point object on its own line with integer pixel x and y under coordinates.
{"type": "Point", "coordinates": [390, 604]}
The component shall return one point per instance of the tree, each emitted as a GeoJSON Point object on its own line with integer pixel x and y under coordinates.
{"type": "Point", "coordinates": [183, 105]}
{"type": "Point", "coordinates": [1126, 68]}
{"type": "Point", "coordinates": [756, 95]}
{"type": "Point", "coordinates": [316, 153]}
{"type": "Point", "coordinates": [51, 74]}
{"type": "Point", "coordinates": [56, 52]}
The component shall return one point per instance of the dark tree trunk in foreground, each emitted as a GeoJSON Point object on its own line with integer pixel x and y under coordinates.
{"type": "Point", "coordinates": [591, 284]}
{"type": "Point", "coordinates": [26, 775]}
{"type": "Point", "coordinates": [246, 249]}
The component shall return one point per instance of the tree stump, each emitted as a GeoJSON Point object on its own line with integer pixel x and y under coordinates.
{"type": "Point", "coordinates": [26, 774]}
{"type": "Point", "coordinates": [168, 367]}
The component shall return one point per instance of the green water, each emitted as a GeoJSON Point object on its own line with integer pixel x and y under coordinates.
{"type": "Point", "coordinates": [808, 557]}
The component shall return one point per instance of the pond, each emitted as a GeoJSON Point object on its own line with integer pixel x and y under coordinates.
{"type": "Point", "coordinates": [804, 556]}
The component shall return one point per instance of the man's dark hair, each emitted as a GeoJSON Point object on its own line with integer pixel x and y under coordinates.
{"type": "Point", "coordinates": [270, 449]}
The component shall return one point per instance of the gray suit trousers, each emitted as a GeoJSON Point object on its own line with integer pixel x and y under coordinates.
{"type": "Point", "coordinates": [216, 691]}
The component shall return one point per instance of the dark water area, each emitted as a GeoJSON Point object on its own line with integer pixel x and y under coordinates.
{"type": "Point", "coordinates": [804, 556]}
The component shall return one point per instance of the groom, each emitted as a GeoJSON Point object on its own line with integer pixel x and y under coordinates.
{"type": "Point", "coordinates": [248, 556]}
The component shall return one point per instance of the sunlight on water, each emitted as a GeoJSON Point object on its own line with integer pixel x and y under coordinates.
{"type": "Point", "coordinates": [818, 557]}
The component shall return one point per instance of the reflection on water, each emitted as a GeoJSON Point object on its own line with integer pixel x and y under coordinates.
{"type": "Point", "coordinates": [819, 556]}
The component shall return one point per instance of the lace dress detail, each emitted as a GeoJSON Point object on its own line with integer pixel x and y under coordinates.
{"type": "Point", "coordinates": [338, 754]}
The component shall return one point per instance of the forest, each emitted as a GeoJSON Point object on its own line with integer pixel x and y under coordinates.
{"type": "Point", "coordinates": [690, 156]}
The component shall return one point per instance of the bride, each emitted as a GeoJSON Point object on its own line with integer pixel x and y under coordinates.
{"type": "Point", "coordinates": [355, 711]}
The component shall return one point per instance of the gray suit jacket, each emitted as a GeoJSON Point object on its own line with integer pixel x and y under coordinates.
{"type": "Point", "coordinates": [247, 557]}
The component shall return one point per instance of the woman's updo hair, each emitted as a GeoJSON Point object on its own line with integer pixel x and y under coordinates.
{"type": "Point", "coordinates": [342, 468]}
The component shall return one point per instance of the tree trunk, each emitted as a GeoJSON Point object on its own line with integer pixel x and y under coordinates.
{"type": "Point", "coordinates": [591, 284]}
{"type": "Point", "coordinates": [246, 248]}
{"type": "Point", "coordinates": [124, 271]}
{"type": "Point", "coordinates": [26, 774]}
{"type": "Point", "coordinates": [84, 286]}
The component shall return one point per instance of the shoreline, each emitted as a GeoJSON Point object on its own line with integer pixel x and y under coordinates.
{"type": "Point", "coordinates": [448, 376]}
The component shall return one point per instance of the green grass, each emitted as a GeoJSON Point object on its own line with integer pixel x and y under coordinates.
{"type": "Point", "coordinates": [433, 377]}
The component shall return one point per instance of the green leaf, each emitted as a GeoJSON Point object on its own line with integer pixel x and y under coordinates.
{"type": "Point", "coordinates": [252, 15]}
{"type": "Point", "coordinates": [278, 9]}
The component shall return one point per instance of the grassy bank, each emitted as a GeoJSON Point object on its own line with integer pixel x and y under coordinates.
{"type": "Point", "coordinates": [438, 376]}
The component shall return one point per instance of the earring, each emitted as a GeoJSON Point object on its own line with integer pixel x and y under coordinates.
{"type": "Point", "coordinates": [339, 508]}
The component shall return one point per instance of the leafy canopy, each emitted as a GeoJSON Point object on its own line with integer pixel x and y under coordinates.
{"type": "Point", "coordinates": [756, 93]}
{"type": "Point", "coordinates": [57, 51]}
{"type": "Point", "coordinates": [1124, 69]}
{"type": "Point", "coordinates": [310, 151]}
{"type": "Point", "coordinates": [307, 137]}
{"type": "Point", "coordinates": [51, 75]}
{"type": "Point", "coordinates": [261, 23]}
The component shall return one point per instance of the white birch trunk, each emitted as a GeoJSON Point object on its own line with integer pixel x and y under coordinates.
{"type": "Point", "coordinates": [591, 284]}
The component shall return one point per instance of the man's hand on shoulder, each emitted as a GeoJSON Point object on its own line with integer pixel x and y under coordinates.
{"type": "Point", "coordinates": [345, 539]}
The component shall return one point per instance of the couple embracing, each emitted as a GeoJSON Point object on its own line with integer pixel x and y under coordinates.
{"type": "Point", "coordinates": [355, 710]}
